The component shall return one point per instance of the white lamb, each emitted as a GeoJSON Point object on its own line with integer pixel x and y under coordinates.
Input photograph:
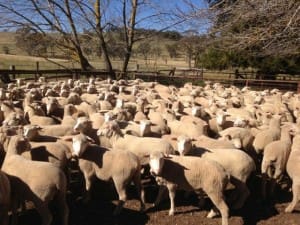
{"type": "Point", "coordinates": [111, 136]}
{"type": "Point", "coordinates": [39, 182]}
{"type": "Point", "coordinates": [239, 172]}
{"type": "Point", "coordinates": [265, 137]}
{"type": "Point", "coordinates": [119, 165]}
{"type": "Point", "coordinates": [293, 170]}
{"type": "Point", "coordinates": [274, 160]}
{"type": "Point", "coordinates": [190, 173]}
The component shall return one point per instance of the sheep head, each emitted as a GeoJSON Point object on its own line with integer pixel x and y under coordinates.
{"type": "Point", "coordinates": [52, 105]}
{"type": "Point", "coordinates": [184, 145]}
{"type": "Point", "coordinates": [109, 129]}
{"type": "Point", "coordinates": [80, 143]}
{"type": "Point", "coordinates": [145, 127]}
{"type": "Point", "coordinates": [31, 131]}
{"type": "Point", "coordinates": [83, 124]}
{"type": "Point", "coordinates": [156, 163]}
{"type": "Point", "coordinates": [18, 144]}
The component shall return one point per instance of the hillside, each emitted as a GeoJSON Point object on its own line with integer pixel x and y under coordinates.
{"type": "Point", "coordinates": [21, 60]}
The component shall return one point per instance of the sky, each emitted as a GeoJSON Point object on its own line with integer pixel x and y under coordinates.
{"type": "Point", "coordinates": [170, 12]}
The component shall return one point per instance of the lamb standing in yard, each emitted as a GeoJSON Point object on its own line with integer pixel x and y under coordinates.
{"type": "Point", "coordinates": [275, 158]}
{"type": "Point", "coordinates": [119, 165]}
{"type": "Point", "coordinates": [190, 174]}
{"type": "Point", "coordinates": [140, 146]}
{"type": "Point", "coordinates": [293, 170]}
{"type": "Point", "coordinates": [239, 172]}
{"type": "Point", "coordinates": [39, 182]}
{"type": "Point", "coordinates": [265, 137]}
{"type": "Point", "coordinates": [45, 148]}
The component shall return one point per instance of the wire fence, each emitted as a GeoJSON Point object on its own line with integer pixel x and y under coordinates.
{"type": "Point", "coordinates": [170, 76]}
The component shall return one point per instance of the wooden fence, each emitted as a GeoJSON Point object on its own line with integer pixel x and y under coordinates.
{"type": "Point", "coordinates": [282, 81]}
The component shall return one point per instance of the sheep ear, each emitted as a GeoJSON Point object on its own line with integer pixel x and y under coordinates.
{"type": "Point", "coordinates": [90, 139]}
{"type": "Point", "coordinates": [38, 127]}
{"type": "Point", "coordinates": [166, 156]}
{"type": "Point", "coordinates": [66, 138]}
{"type": "Point", "coordinates": [228, 137]}
{"type": "Point", "coordinates": [101, 132]}
{"type": "Point", "coordinates": [174, 138]}
{"type": "Point", "coordinates": [20, 131]}
{"type": "Point", "coordinates": [146, 155]}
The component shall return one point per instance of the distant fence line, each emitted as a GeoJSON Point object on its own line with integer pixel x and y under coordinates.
{"type": "Point", "coordinates": [282, 81]}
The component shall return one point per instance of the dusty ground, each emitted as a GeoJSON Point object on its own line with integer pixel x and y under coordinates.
{"type": "Point", "coordinates": [99, 210]}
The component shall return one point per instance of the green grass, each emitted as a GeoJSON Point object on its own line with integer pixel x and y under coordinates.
{"type": "Point", "coordinates": [19, 58]}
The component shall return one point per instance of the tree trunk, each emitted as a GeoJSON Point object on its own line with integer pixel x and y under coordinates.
{"type": "Point", "coordinates": [129, 32]}
{"type": "Point", "coordinates": [99, 30]}
{"type": "Point", "coordinates": [84, 63]}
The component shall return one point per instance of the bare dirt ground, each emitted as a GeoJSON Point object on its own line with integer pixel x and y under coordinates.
{"type": "Point", "coordinates": [99, 210]}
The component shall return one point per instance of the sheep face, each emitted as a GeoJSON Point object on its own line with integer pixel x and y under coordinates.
{"type": "Point", "coordinates": [14, 120]}
{"type": "Point", "coordinates": [156, 163]}
{"type": "Point", "coordinates": [64, 93]}
{"type": "Point", "coordinates": [184, 145]}
{"type": "Point", "coordinates": [109, 129]}
{"type": "Point", "coordinates": [145, 127]}
{"type": "Point", "coordinates": [91, 89]}
{"type": "Point", "coordinates": [119, 103]}
{"type": "Point", "coordinates": [220, 118]}
{"type": "Point", "coordinates": [80, 143]}
{"type": "Point", "coordinates": [196, 111]}
{"type": "Point", "coordinates": [30, 132]}
{"type": "Point", "coordinates": [109, 116]}
{"type": "Point", "coordinates": [70, 109]}
{"type": "Point", "coordinates": [240, 122]}
{"type": "Point", "coordinates": [52, 105]}
{"type": "Point", "coordinates": [83, 124]}
{"type": "Point", "coordinates": [21, 144]}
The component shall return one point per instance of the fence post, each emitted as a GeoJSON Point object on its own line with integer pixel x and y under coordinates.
{"type": "Point", "coordinates": [37, 70]}
{"type": "Point", "coordinates": [13, 68]}
{"type": "Point", "coordinates": [298, 87]}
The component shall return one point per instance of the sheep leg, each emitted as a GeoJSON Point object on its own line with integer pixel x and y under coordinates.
{"type": "Point", "coordinates": [121, 190]}
{"type": "Point", "coordinates": [4, 216]}
{"type": "Point", "coordinates": [272, 187]}
{"type": "Point", "coordinates": [264, 186]}
{"type": "Point", "coordinates": [219, 202]}
{"type": "Point", "coordinates": [140, 190]}
{"type": "Point", "coordinates": [88, 185]}
{"type": "Point", "coordinates": [172, 193]}
{"type": "Point", "coordinates": [160, 194]}
{"type": "Point", "coordinates": [242, 192]}
{"type": "Point", "coordinates": [296, 198]}
{"type": "Point", "coordinates": [15, 205]}
{"type": "Point", "coordinates": [45, 214]}
{"type": "Point", "coordinates": [201, 199]}
{"type": "Point", "coordinates": [63, 208]}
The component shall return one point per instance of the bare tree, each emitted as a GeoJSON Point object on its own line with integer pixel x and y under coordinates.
{"type": "Point", "coordinates": [100, 34]}
{"type": "Point", "coordinates": [267, 27]}
{"type": "Point", "coordinates": [67, 19]}
{"type": "Point", "coordinates": [48, 16]}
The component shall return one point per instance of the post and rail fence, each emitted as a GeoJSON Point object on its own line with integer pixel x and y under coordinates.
{"type": "Point", "coordinates": [252, 79]}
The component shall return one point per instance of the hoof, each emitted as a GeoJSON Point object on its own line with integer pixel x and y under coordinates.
{"type": "Point", "coordinates": [171, 213]}
{"type": "Point", "coordinates": [212, 214]}
{"type": "Point", "coordinates": [288, 209]}
{"type": "Point", "coordinates": [142, 208]}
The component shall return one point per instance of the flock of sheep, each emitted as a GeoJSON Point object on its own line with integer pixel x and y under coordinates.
{"type": "Point", "coordinates": [199, 139]}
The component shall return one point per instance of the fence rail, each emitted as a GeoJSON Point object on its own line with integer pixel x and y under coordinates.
{"type": "Point", "coordinates": [282, 81]}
